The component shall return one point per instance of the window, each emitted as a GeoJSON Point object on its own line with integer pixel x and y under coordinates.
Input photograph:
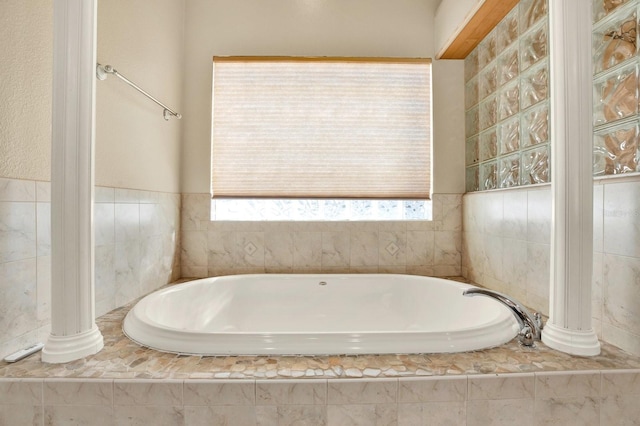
{"type": "Point", "coordinates": [321, 129]}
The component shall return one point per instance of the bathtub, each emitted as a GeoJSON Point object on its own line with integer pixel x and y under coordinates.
{"type": "Point", "coordinates": [290, 314]}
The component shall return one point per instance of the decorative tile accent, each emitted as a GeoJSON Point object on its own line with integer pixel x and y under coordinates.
{"type": "Point", "coordinates": [392, 248]}
{"type": "Point", "coordinates": [250, 248]}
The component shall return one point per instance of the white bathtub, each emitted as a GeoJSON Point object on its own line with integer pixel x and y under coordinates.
{"type": "Point", "coordinates": [318, 315]}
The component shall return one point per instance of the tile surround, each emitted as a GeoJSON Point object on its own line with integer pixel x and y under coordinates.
{"type": "Point", "coordinates": [136, 237]}
{"type": "Point", "coordinates": [212, 248]}
{"type": "Point", "coordinates": [128, 384]}
{"type": "Point", "coordinates": [598, 397]}
{"type": "Point", "coordinates": [499, 224]}
{"type": "Point", "coordinates": [419, 243]}
{"type": "Point", "coordinates": [513, 255]}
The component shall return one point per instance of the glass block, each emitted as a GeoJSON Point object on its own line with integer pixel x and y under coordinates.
{"type": "Point", "coordinates": [389, 208]}
{"type": "Point", "coordinates": [280, 208]}
{"type": "Point", "coordinates": [308, 210]}
{"type": "Point", "coordinates": [472, 179]}
{"type": "Point", "coordinates": [488, 112]}
{"type": "Point", "coordinates": [602, 8]}
{"type": "Point", "coordinates": [615, 150]}
{"type": "Point", "coordinates": [535, 165]}
{"type": "Point", "coordinates": [361, 209]}
{"type": "Point", "coordinates": [507, 30]}
{"type": "Point", "coordinates": [615, 95]}
{"type": "Point", "coordinates": [509, 135]}
{"type": "Point", "coordinates": [615, 41]}
{"type": "Point", "coordinates": [472, 121]}
{"type": "Point", "coordinates": [488, 144]}
{"type": "Point", "coordinates": [471, 93]}
{"type": "Point", "coordinates": [509, 171]}
{"type": "Point", "coordinates": [336, 209]}
{"type": "Point", "coordinates": [414, 210]}
{"type": "Point", "coordinates": [509, 100]}
{"type": "Point", "coordinates": [487, 81]}
{"type": "Point", "coordinates": [534, 46]}
{"type": "Point", "coordinates": [508, 65]}
{"type": "Point", "coordinates": [535, 126]}
{"type": "Point", "coordinates": [289, 210]}
{"type": "Point", "coordinates": [471, 65]}
{"type": "Point", "coordinates": [534, 85]}
{"type": "Point", "coordinates": [487, 50]}
{"type": "Point", "coordinates": [531, 11]}
{"type": "Point", "coordinates": [488, 175]}
{"type": "Point", "coordinates": [472, 154]}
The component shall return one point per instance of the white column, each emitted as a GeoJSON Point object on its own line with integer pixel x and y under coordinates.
{"type": "Point", "coordinates": [569, 327]}
{"type": "Point", "coordinates": [74, 333]}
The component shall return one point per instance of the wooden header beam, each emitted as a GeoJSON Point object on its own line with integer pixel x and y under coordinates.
{"type": "Point", "coordinates": [481, 23]}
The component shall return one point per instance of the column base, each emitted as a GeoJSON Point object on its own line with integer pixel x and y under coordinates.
{"type": "Point", "coordinates": [574, 342]}
{"type": "Point", "coordinates": [59, 349]}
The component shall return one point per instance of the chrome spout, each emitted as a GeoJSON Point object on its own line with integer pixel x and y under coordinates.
{"type": "Point", "coordinates": [530, 324]}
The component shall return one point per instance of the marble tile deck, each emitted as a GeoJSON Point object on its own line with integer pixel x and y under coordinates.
{"type": "Point", "coordinates": [122, 358]}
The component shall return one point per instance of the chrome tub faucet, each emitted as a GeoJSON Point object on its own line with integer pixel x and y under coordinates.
{"type": "Point", "coordinates": [530, 324]}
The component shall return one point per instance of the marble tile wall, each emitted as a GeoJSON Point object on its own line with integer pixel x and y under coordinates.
{"type": "Point", "coordinates": [506, 247]}
{"type": "Point", "coordinates": [136, 234]}
{"type": "Point", "coordinates": [25, 263]}
{"type": "Point", "coordinates": [616, 261]}
{"type": "Point", "coordinates": [567, 398]}
{"type": "Point", "coordinates": [137, 244]}
{"type": "Point", "coordinates": [213, 248]}
{"type": "Point", "coordinates": [506, 242]}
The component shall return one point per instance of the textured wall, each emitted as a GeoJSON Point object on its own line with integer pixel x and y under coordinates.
{"type": "Point", "coordinates": [26, 29]}
{"type": "Point", "coordinates": [135, 147]}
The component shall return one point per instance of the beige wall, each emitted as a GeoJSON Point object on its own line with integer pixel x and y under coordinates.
{"type": "Point", "coordinates": [26, 62]}
{"type": "Point", "coordinates": [135, 146]}
{"type": "Point", "coordinates": [448, 127]}
{"type": "Point", "coordinates": [451, 17]}
{"type": "Point", "coordinates": [314, 28]}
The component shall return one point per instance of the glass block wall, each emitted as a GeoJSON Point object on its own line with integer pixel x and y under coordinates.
{"type": "Point", "coordinates": [507, 113]}
{"type": "Point", "coordinates": [615, 87]}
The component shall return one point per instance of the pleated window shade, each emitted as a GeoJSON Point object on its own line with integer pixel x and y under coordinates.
{"type": "Point", "coordinates": [321, 128]}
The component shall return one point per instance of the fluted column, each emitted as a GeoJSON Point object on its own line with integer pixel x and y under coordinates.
{"type": "Point", "coordinates": [569, 327]}
{"type": "Point", "coordinates": [74, 333]}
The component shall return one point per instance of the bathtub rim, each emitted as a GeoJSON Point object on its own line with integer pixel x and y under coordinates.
{"type": "Point", "coordinates": [180, 341]}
